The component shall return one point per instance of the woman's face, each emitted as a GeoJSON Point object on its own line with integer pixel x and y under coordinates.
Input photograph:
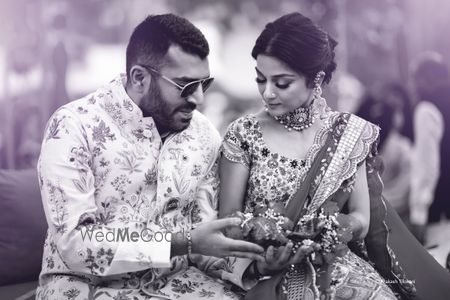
{"type": "Point", "coordinates": [281, 88]}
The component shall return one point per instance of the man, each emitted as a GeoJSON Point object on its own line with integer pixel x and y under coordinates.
{"type": "Point", "coordinates": [430, 168]}
{"type": "Point", "coordinates": [122, 168]}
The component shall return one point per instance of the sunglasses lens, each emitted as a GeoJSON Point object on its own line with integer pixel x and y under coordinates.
{"type": "Point", "coordinates": [206, 84]}
{"type": "Point", "coordinates": [189, 88]}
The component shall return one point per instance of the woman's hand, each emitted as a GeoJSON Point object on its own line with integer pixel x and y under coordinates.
{"type": "Point", "coordinates": [282, 257]}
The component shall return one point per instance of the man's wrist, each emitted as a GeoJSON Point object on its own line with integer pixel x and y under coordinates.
{"type": "Point", "coordinates": [253, 272]}
{"type": "Point", "coordinates": [179, 244]}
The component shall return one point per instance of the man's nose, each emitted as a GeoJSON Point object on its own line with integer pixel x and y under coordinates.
{"type": "Point", "coordinates": [198, 97]}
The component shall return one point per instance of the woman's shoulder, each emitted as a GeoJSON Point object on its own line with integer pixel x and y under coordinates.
{"type": "Point", "coordinates": [243, 124]}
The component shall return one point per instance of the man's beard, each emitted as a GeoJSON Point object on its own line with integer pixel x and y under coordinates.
{"type": "Point", "coordinates": [153, 105]}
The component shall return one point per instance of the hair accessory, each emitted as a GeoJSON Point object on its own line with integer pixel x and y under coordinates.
{"type": "Point", "coordinates": [317, 83]}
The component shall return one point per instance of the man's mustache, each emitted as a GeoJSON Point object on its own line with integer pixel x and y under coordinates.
{"type": "Point", "coordinates": [188, 107]}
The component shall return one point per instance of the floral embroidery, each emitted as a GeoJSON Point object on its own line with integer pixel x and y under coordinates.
{"type": "Point", "coordinates": [82, 110]}
{"type": "Point", "coordinates": [130, 162]}
{"type": "Point", "coordinates": [57, 200]}
{"type": "Point", "coordinates": [53, 129]}
{"type": "Point", "coordinates": [101, 133]}
{"type": "Point", "coordinates": [72, 293]}
{"type": "Point", "coordinates": [294, 163]}
{"type": "Point", "coordinates": [98, 262]}
{"type": "Point", "coordinates": [122, 295]}
{"type": "Point", "coordinates": [265, 152]}
{"type": "Point", "coordinates": [196, 171]}
{"type": "Point", "coordinates": [206, 294]}
{"type": "Point", "coordinates": [183, 287]}
{"type": "Point", "coordinates": [244, 145]}
{"type": "Point", "coordinates": [50, 262]}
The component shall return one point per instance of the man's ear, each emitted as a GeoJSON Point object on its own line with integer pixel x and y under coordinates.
{"type": "Point", "coordinates": [140, 78]}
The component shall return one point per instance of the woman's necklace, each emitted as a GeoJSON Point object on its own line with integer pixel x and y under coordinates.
{"type": "Point", "coordinates": [298, 119]}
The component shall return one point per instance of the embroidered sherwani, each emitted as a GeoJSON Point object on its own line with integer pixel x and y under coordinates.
{"type": "Point", "coordinates": [113, 192]}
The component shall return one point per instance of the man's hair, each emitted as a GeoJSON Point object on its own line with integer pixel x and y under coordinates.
{"type": "Point", "coordinates": [152, 38]}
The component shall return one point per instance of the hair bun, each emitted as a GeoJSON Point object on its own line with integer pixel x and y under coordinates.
{"type": "Point", "coordinates": [302, 45]}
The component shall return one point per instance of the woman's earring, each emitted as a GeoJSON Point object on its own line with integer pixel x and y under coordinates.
{"type": "Point", "coordinates": [318, 83]}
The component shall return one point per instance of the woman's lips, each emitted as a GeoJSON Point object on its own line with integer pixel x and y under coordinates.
{"type": "Point", "coordinates": [273, 105]}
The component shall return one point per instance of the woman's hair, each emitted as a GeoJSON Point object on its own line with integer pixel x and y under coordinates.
{"type": "Point", "coordinates": [298, 42]}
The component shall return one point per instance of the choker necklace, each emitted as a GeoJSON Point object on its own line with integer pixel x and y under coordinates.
{"type": "Point", "coordinates": [298, 119]}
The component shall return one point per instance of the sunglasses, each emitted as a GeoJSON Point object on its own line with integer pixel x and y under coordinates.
{"type": "Point", "coordinates": [187, 89]}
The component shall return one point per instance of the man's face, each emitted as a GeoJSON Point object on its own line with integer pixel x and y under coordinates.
{"type": "Point", "coordinates": [171, 112]}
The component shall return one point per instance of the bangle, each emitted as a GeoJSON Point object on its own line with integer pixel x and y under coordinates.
{"type": "Point", "coordinates": [189, 242]}
{"type": "Point", "coordinates": [257, 275]}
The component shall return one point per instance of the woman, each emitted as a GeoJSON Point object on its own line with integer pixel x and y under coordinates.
{"type": "Point", "coordinates": [298, 153]}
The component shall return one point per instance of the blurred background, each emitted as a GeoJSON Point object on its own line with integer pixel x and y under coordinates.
{"type": "Point", "coordinates": [55, 51]}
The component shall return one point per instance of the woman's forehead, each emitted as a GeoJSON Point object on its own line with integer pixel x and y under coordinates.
{"type": "Point", "coordinates": [271, 66]}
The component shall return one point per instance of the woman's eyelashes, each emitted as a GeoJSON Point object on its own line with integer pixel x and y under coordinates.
{"type": "Point", "coordinates": [280, 85]}
{"type": "Point", "coordinates": [260, 80]}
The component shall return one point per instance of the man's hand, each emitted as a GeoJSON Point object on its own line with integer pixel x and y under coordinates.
{"type": "Point", "coordinates": [208, 239]}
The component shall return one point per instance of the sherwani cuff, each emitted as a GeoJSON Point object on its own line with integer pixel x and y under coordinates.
{"type": "Point", "coordinates": [144, 254]}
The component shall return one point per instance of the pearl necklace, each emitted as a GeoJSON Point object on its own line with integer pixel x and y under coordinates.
{"type": "Point", "coordinates": [298, 119]}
